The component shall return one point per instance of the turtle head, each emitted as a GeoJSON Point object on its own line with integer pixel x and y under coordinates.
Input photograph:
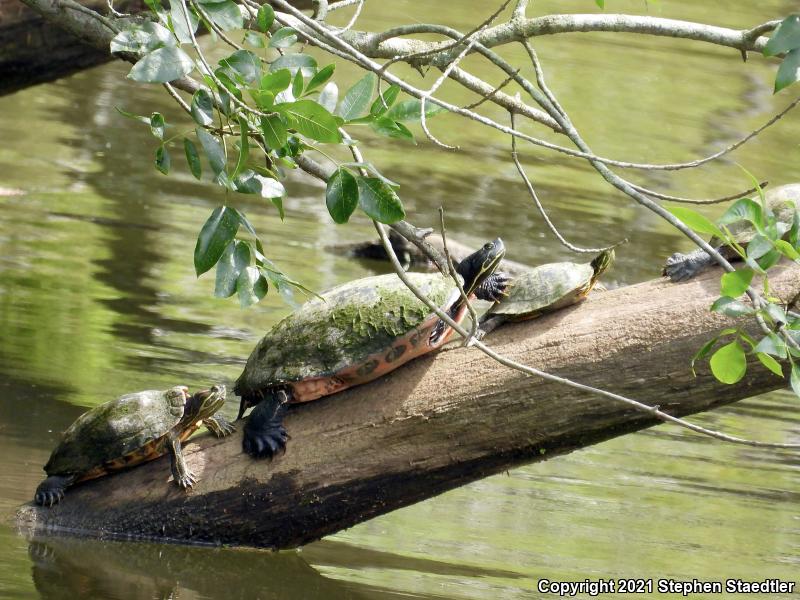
{"type": "Point", "coordinates": [601, 262]}
{"type": "Point", "coordinates": [480, 264]}
{"type": "Point", "coordinates": [205, 403]}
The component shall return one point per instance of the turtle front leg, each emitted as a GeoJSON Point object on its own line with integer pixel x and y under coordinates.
{"type": "Point", "coordinates": [680, 267]}
{"type": "Point", "coordinates": [264, 434]}
{"type": "Point", "coordinates": [183, 477]}
{"type": "Point", "coordinates": [493, 288]}
{"type": "Point", "coordinates": [51, 490]}
{"type": "Point", "coordinates": [219, 425]}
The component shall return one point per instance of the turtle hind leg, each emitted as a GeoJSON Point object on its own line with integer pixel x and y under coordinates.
{"type": "Point", "coordinates": [51, 490]}
{"type": "Point", "coordinates": [680, 267]}
{"type": "Point", "coordinates": [264, 434]}
{"type": "Point", "coordinates": [490, 323]}
{"type": "Point", "coordinates": [219, 426]}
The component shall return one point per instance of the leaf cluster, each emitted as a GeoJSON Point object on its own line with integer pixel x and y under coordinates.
{"type": "Point", "coordinates": [261, 108]}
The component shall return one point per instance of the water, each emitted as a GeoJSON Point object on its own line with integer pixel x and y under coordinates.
{"type": "Point", "coordinates": [98, 297]}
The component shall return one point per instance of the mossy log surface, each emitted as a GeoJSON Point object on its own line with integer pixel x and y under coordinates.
{"type": "Point", "coordinates": [437, 423]}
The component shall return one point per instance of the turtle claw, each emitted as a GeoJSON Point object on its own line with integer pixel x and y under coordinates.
{"type": "Point", "coordinates": [186, 481]}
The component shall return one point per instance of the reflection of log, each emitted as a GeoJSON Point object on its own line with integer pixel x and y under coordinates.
{"type": "Point", "coordinates": [434, 424]}
{"type": "Point", "coordinates": [409, 254]}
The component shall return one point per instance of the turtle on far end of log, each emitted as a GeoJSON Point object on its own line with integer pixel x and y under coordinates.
{"type": "Point", "coordinates": [544, 289]}
{"type": "Point", "coordinates": [131, 430]}
{"type": "Point", "coordinates": [357, 332]}
{"type": "Point", "coordinates": [783, 201]}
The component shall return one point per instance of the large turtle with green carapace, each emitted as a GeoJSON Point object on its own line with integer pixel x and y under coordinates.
{"type": "Point", "coordinates": [544, 289]}
{"type": "Point", "coordinates": [353, 334]}
{"type": "Point", "coordinates": [783, 201]}
{"type": "Point", "coordinates": [128, 431]}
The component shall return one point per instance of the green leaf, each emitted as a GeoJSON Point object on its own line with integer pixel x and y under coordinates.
{"type": "Point", "coordinates": [379, 200]}
{"type": "Point", "coordinates": [384, 103]}
{"type": "Point", "coordinates": [769, 362]}
{"type": "Point", "coordinates": [245, 65]}
{"type": "Point", "coordinates": [789, 71]}
{"type": "Point", "coordinates": [244, 147]}
{"type": "Point", "coordinates": [217, 232]}
{"type": "Point", "coordinates": [729, 364]}
{"type": "Point", "coordinates": [771, 344]}
{"type": "Point", "coordinates": [275, 134]}
{"type": "Point", "coordinates": [297, 84]}
{"type": "Point", "coordinates": [283, 38]}
{"type": "Point", "coordinates": [356, 100]}
{"type": "Point", "coordinates": [703, 352]}
{"type": "Point", "coordinates": [235, 258]}
{"type": "Point", "coordinates": [142, 39]}
{"type": "Point", "coordinates": [202, 108]}
{"type": "Point", "coordinates": [162, 65]}
{"type": "Point", "coordinates": [694, 220]}
{"type": "Point", "coordinates": [744, 209]}
{"type": "Point", "coordinates": [277, 81]}
{"type": "Point", "coordinates": [310, 119]}
{"type": "Point", "coordinates": [162, 159]}
{"type": "Point", "coordinates": [264, 100]}
{"type": "Point", "coordinates": [132, 116]}
{"type": "Point", "coordinates": [341, 195]}
{"type": "Point", "coordinates": [213, 149]}
{"type": "Point", "coordinates": [320, 78]}
{"type": "Point", "coordinates": [776, 313]}
{"type": "Point", "coordinates": [410, 110]}
{"type": "Point", "coordinates": [251, 286]}
{"type": "Point", "coordinates": [177, 16]}
{"type": "Point", "coordinates": [393, 129]}
{"type": "Point", "coordinates": [758, 247]}
{"type": "Point", "coordinates": [225, 14]}
{"type": "Point", "coordinates": [254, 39]}
{"type": "Point", "coordinates": [785, 38]}
{"type": "Point", "coordinates": [193, 158]}
{"type": "Point", "coordinates": [794, 379]}
{"type": "Point", "coordinates": [265, 18]}
{"type": "Point", "coordinates": [731, 307]}
{"type": "Point", "coordinates": [157, 125]}
{"type": "Point", "coordinates": [736, 283]}
{"type": "Point", "coordinates": [769, 259]}
{"type": "Point", "coordinates": [601, 4]}
{"type": "Point", "coordinates": [787, 250]}
{"type": "Point", "coordinates": [249, 182]}
{"type": "Point", "coordinates": [329, 96]}
{"type": "Point", "coordinates": [293, 62]}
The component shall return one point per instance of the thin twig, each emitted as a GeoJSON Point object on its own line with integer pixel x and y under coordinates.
{"type": "Point", "coordinates": [654, 411]}
{"type": "Point", "coordinates": [661, 196]}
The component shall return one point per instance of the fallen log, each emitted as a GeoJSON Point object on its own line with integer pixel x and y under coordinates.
{"type": "Point", "coordinates": [437, 423]}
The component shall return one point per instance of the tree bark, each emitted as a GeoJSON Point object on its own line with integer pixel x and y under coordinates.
{"type": "Point", "coordinates": [437, 423]}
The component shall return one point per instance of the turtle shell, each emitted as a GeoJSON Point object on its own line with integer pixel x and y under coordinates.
{"type": "Point", "coordinates": [545, 288]}
{"type": "Point", "coordinates": [356, 332]}
{"type": "Point", "coordinates": [118, 434]}
{"type": "Point", "coordinates": [783, 201]}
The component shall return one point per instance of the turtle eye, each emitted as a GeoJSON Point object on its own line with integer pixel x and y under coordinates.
{"type": "Point", "coordinates": [487, 246]}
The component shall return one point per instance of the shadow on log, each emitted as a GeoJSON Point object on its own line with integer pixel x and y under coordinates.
{"type": "Point", "coordinates": [437, 423]}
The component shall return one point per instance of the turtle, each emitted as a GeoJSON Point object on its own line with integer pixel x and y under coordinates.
{"type": "Point", "coordinates": [544, 289]}
{"type": "Point", "coordinates": [128, 431]}
{"type": "Point", "coordinates": [783, 201]}
{"type": "Point", "coordinates": [352, 334]}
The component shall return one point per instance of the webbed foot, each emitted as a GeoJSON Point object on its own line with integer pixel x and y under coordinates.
{"type": "Point", "coordinates": [51, 490]}
{"type": "Point", "coordinates": [264, 434]}
{"type": "Point", "coordinates": [185, 480]}
{"type": "Point", "coordinates": [494, 288]}
{"type": "Point", "coordinates": [219, 426]}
